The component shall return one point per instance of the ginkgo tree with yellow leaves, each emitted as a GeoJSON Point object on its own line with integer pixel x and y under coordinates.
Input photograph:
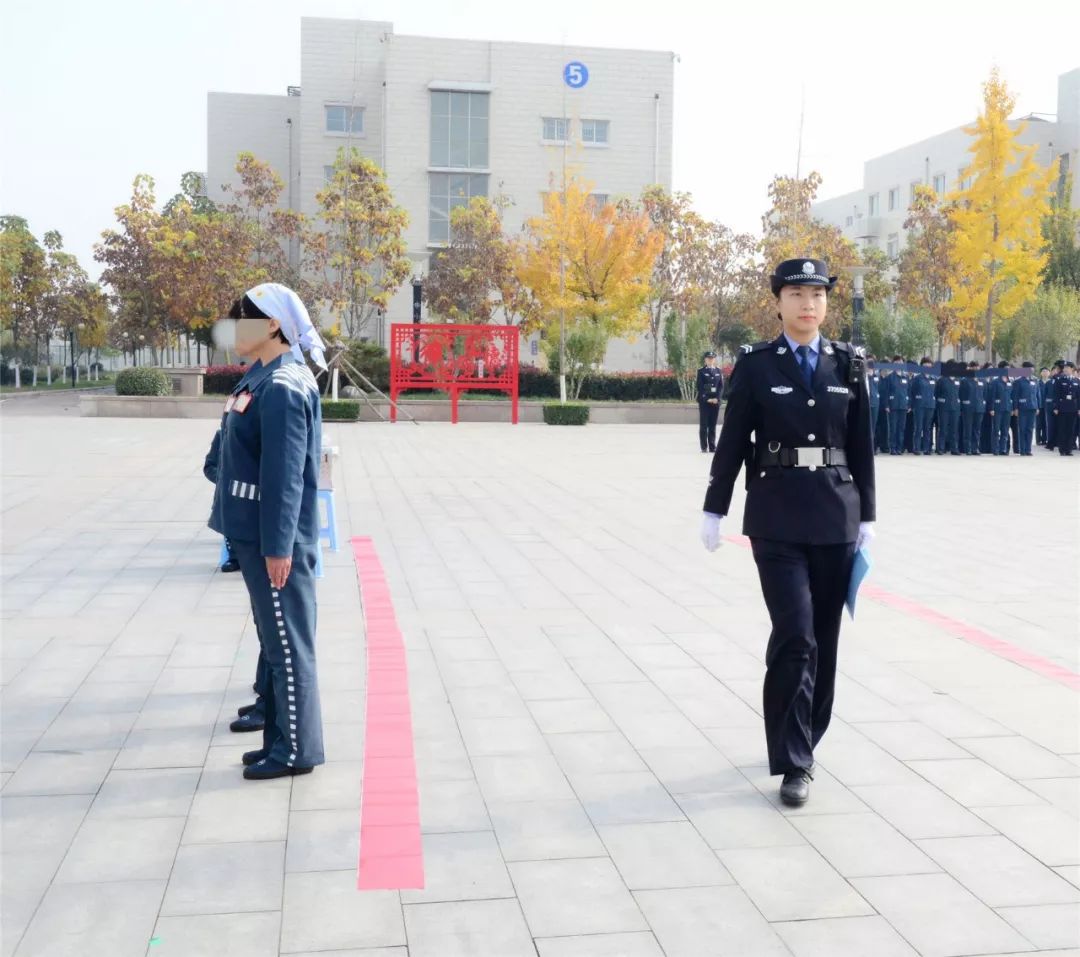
{"type": "Point", "coordinates": [999, 247]}
{"type": "Point", "coordinates": [587, 268]}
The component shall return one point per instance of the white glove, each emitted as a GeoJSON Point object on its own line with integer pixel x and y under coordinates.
{"type": "Point", "coordinates": [710, 530]}
{"type": "Point", "coordinates": [866, 535]}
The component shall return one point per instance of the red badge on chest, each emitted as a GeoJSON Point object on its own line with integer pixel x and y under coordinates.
{"type": "Point", "coordinates": [243, 400]}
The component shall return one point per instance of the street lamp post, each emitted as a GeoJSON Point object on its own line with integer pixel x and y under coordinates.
{"type": "Point", "coordinates": [857, 299]}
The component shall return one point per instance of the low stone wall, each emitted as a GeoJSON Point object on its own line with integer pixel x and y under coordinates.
{"type": "Point", "coordinates": [423, 410]}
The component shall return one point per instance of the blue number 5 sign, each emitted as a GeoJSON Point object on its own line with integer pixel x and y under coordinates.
{"type": "Point", "coordinates": [575, 74]}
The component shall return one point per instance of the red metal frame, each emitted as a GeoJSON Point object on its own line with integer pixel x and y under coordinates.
{"type": "Point", "coordinates": [454, 358]}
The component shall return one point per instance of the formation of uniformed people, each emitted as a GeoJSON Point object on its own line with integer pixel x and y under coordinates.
{"type": "Point", "coordinates": [798, 417]}
{"type": "Point", "coordinates": [265, 464]}
{"type": "Point", "coordinates": [710, 389]}
{"type": "Point", "coordinates": [982, 410]}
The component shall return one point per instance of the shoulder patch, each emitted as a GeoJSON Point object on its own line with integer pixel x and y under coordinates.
{"type": "Point", "coordinates": [756, 347]}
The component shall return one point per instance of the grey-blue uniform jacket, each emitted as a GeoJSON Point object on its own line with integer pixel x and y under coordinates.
{"type": "Point", "coordinates": [922, 390]}
{"type": "Point", "coordinates": [1025, 394]}
{"type": "Point", "coordinates": [268, 466]}
{"type": "Point", "coordinates": [999, 396]}
{"type": "Point", "coordinates": [768, 397]}
{"type": "Point", "coordinates": [947, 394]}
{"type": "Point", "coordinates": [897, 398]}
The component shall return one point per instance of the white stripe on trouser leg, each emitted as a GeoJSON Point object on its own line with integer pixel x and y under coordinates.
{"type": "Point", "coordinates": [290, 686]}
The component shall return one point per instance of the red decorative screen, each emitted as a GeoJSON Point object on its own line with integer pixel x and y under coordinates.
{"type": "Point", "coordinates": [455, 359]}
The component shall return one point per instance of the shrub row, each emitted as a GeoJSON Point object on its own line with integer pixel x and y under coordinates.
{"type": "Point", "coordinates": [143, 381]}
{"type": "Point", "coordinates": [572, 413]}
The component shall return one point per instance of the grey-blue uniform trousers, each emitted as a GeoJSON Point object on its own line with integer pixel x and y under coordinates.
{"type": "Point", "coordinates": [897, 403]}
{"type": "Point", "coordinates": [266, 504]}
{"type": "Point", "coordinates": [873, 379]}
{"type": "Point", "coordinates": [969, 434]}
{"type": "Point", "coordinates": [922, 413]}
{"type": "Point", "coordinates": [802, 522]}
{"type": "Point", "coordinates": [210, 470]}
{"type": "Point", "coordinates": [1025, 402]}
{"type": "Point", "coordinates": [710, 385]}
{"type": "Point", "coordinates": [947, 396]}
{"type": "Point", "coordinates": [999, 405]}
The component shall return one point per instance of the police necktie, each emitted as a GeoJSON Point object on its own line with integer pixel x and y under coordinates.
{"type": "Point", "coordinates": [807, 369]}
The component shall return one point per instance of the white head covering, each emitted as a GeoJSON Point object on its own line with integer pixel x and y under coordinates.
{"type": "Point", "coordinates": [281, 303]}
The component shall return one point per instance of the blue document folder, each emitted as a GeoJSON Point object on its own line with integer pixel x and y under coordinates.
{"type": "Point", "coordinates": [859, 570]}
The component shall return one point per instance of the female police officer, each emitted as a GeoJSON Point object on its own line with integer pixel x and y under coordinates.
{"type": "Point", "coordinates": [266, 504]}
{"type": "Point", "coordinates": [809, 503]}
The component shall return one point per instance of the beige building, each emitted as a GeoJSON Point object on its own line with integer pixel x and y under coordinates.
{"type": "Point", "coordinates": [449, 119]}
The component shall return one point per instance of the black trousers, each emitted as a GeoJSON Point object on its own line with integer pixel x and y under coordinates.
{"type": "Point", "coordinates": [1065, 428]}
{"type": "Point", "coordinates": [804, 587]}
{"type": "Point", "coordinates": [707, 416]}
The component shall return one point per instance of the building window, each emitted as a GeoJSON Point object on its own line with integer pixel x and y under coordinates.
{"type": "Point", "coordinates": [849, 221]}
{"type": "Point", "coordinates": [448, 191]}
{"type": "Point", "coordinates": [344, 120]}
{"type": "Point", "coordinates": [894, 199]}
{"type": "Point", "coordinates": [874, 205]}
{"type": "Point", "coordinates": [913, 190]}
{"type": "Point", "coordinates": [893, 247]}
{"type": "Point", "coordinates": [555, 130]}
{"type": "Point", "coordinates": [328, 173]}
{"type": "Point", "coordinates": [939, 184]}
{"type": "Point", "coordinates": [964, 178]}
{"type": "Point", "coordinates": [459, 129]}
{"type": "Point", "coordinates": [594, 131]}
{"type": "Point", "coordinates": [599, 200]}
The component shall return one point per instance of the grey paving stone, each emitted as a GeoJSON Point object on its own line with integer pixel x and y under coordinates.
{"type": "Point", "coordinates": [122, 850]}
{"type": "Point", "coordinates": [938, 916]}
{"type": "Point", "coordinates": [491, 928]}
{"type": "Point", "coordinates": [237, 813]}
{"type": "Point", "coordinates": [1019, 757]}
{"type": "Point", "coordinates": [461, 867]}
{"type": "Point", "coordinates": [708, 922]}
{"type": "Point", "coordinates": [974, 783]}
{"type": "Point", "coordinates": [497, 736]}
{"type": "Point", "coordinates": [165, 748]}
{"type": "Point", "coordinates": [563, 898]}
{"type": "Point", "coordinates": [600, 945]}
{"type": "Point", "coordinates": [625, 798]}
{"type": "Point", "coordinates": [843, 937]}
{"type": "Point", "coordinates": [336, 785]}
{"type": "Point", "coordinates": [45, 772]}
{"type": "Point", "coordinates": [160, 792]}
{"type": "Point", "coordinates": [224, 879]}
{"type": "Point", "coordinates": [827, 795]}
{"type": "Point", "coordinates": [1063, 793]}
{"type": "Point", "coordinates": [921, 811]}
{"type": "Point", "coordinates": [238, 935]}
{"type": "Point", "coordinates": [664, 855]}
{"type": "Point", "coordinates": [792, 883]}
{"type": "Point", "coordinates": [577, 715]}
{"type": "Point", "coordinates": [910, 740]}
{"type": "Point", "coordinates": [700, 770]}
{"type": "Point", "coordinates": [1046, 925]}
{"type": "Point", "coordinates": [863, 845]}
{"type": "Point", "coordinates": [998, 872]}
{"type": "Point", "coordinates": [79, 919]}
{"type": "Point", "coordinates": [738, 819]}
{"type": "Point", "coordinates": [1046, 833]}
{"type": "Point", "coordinates": [594, 753]}
{"type": "Point", "coordinates": [324, 912]}
{"type": "Point", "coordinates": [447, 806]}
{"type": "Point", "coordinates": [322, 840]}
{"type": "Point", "coordinates": [531, 778]}
{"type": "Point", "coordinates": [544, 830]}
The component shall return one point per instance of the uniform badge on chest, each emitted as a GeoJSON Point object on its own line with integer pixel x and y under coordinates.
{"type": "Point", "coordinates": [243, 400]}
{"type": "Point", "coordinates": [782, 389]}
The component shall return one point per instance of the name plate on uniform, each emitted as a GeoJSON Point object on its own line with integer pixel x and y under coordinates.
{"type": "Point", "coordinates": [784, 389]}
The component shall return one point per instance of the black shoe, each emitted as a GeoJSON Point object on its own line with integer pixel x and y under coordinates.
{"type": "Point", "coordinates": [795, 789]}
{"type": "Point", "coordinates": [703, 451]}
{"type": "Point", "coordinates": [267, 768]}
{"type": "Point", "coordinates": [232, 565]}
{"type": "Point", "coordinates": [713, 449]}
{"type": "Point", "coordinates": [249, 722]}
{"type": "Point", "coordinates": [254, 757]}
{"type": "Point", "coordinates": [247, 709]}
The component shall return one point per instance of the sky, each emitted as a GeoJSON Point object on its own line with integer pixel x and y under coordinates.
{"type": "Point", "coordinates": [94, 93]}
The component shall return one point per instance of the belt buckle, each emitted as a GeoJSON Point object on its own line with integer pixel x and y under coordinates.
{"type": "Point", "coordinates": [809, 457]}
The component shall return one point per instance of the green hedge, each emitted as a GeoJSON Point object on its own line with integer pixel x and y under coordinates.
{"type": "Point", "coordinates": [343, 410]}
{"type": "Point", "coordinates": [572, 413]}
{"type": "Point", "coordinates": [534, 383]}
{"type": "Point", "coordinates": [142, 381]}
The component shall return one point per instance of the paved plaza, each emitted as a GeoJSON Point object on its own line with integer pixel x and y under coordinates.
{"type": "Point", "coordinates": [585, 688]}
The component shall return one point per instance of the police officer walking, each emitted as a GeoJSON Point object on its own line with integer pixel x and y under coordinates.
{"type": "Point", "coordinates": [947, 396]}
{"type": "Point", "coordinates": [999, 406]}
{"type": "Point", "coordinates": [1066, 409]}
{"type": "Point", "coordinates": [809, 503]}
{"type": "Point", "coordinates": [922, 409]}
{"type": "Point", "coordinates": [1025, 403]}
{"type": "Point", "coordinates": [265, 503]}
{"type": "Point", "coordinates": [710, 388]}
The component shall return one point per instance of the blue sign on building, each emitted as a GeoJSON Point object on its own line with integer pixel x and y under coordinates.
{"type": "Point", "coordinates": [576, 74]}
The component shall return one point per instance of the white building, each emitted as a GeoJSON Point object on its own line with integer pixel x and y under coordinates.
{"type": "Point", "coordinates": [449, 119]}
{"type": "Point", "coordinates": [875, 214]}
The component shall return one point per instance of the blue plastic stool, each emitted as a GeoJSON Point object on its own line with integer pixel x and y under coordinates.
{"type": "Point", "coordinates": [329, 530]}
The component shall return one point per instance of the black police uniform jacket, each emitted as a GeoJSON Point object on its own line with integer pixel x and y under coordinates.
{"type": "Point", "coordinates": [710, 384]}
{"type": "Point", "coordinates": [769, 406]}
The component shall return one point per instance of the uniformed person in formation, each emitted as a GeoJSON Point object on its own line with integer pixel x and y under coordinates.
{"type": "Point", "coordinates": [922, 408]}
{"type": "Point", "coordinates": [1066, 409]}
{"type": "Point", "coordinates": [897, 406]}
{"type": "Point", "coordinates": [1025, 403]}
{"type": "Point", "coordinates": [266, 504]}
{"type": "Point", "coordinates": [710, 389]}
{"type": "Point", "coordinates": [999, 408]}
{"type": "Point", "coordinates": [809, 502]}
{"type": "Point", "coordinates": [947, 396]}
{"type": "Point", "coordinates": [1040, 419]}
{"type": "Point", "coordinates": [1048, 403]}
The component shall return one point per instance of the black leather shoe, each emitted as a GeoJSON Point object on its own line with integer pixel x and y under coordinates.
{"type": "Point", "coordinates": [247, 709]}
{"type": "Point", "coordinates": [254, 757]}
{"type": "Point", "coordinates": [232, 565]}
{"type": "Point", "coordinates": [267, 768]}
{"type": "Point", "coordinates": [249, 722]}
{"type": "Point", "coordinates": [795, 789]}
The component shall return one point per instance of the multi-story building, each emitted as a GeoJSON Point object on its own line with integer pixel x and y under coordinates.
{"type": "Point", "coordinates": [874, 215]}
{"type": "Point", "coordinates": [450, 119]}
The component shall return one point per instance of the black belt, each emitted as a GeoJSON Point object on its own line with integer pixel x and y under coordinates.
{"type": "Point", "coordinates": [813, 457]}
